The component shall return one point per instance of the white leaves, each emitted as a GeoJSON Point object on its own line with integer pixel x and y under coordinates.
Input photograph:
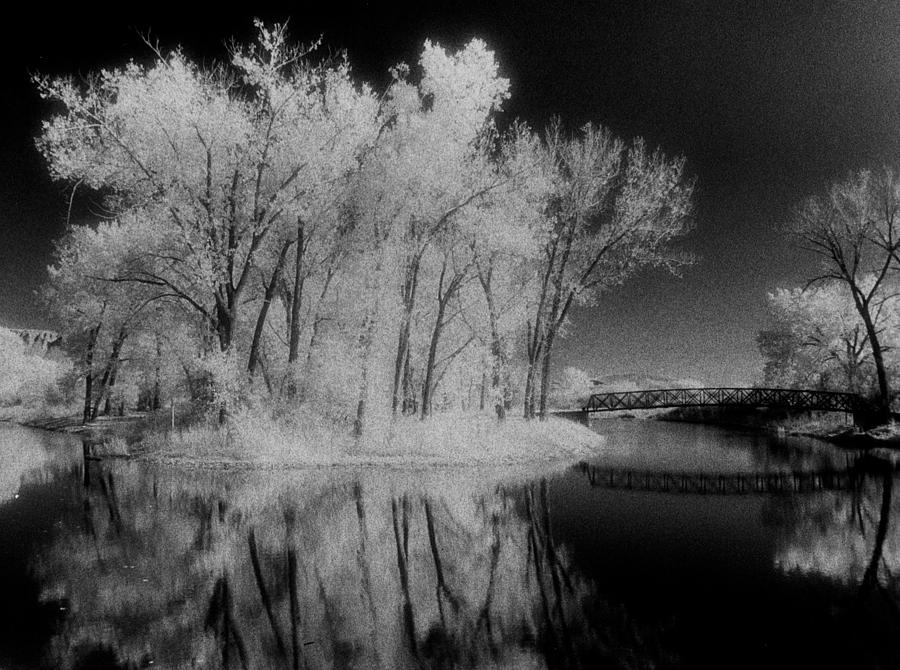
{"type": "Point", "coordinates": [465, 88]}
{"type": "Point", "coordinates": [815, 337]}
{"type": "Point", "coordinates": [212, 171]}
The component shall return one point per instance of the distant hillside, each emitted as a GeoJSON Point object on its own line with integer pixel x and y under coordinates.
{"type": "Point", "coordinates": [641, 382]}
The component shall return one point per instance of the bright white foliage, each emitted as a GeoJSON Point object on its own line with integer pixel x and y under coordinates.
{"type": "Point", "coordinates": [25, 377]}
{"type": "Point", "coordinates": [816, 338]}
{"type": "Point", "coordinates": [404, 231]}
{"type": "Point", "coordinates": [465, 87]}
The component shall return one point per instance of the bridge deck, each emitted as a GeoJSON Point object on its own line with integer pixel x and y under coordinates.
{"type": "Point", "coordinates": [745, 397]}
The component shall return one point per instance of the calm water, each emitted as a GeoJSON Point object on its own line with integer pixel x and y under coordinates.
{"type": "Point", "coordinates": [135, 565]}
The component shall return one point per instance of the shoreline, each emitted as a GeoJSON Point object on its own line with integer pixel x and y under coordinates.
{"type": "Point", "coordinates": [478, 441]}
{"type": "Point", "coordinates": [882, 437]}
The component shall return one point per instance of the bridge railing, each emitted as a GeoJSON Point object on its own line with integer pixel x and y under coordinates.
{"type": "Point", "coordinates": [801, 399]}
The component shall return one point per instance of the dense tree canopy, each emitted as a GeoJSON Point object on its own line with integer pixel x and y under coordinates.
{"type": "Point", "coordinates": [370, 253]}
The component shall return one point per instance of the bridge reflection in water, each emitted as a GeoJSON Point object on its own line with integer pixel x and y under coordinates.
{"type": "Point", "coordinates": [741, 483]}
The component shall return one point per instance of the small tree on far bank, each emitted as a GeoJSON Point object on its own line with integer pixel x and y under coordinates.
{"type": "Point", "coordinates": [814, 338]}
{"type": "Point", "coordinates": [854, 230]}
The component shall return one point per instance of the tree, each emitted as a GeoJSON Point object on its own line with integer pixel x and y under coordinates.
{"type": "Point", "coordinates": [213, 161]}
{"type": "Point", "coordinates": [815, 338]}
{"type": "Point", "coordinates": [573, 388]}
{"type": "Point", "coordinates": [438, 166]}
{"type": "Point", "coordinates": [612, 210]}
{"type": "Point", "coordinates": [432, 163]}
{"type": "Point", "coordinates": [97, 315]}
{"type": "Point", "coordinates": [505, 234]}
{"type": "Point", "coordinates": [853, 228]}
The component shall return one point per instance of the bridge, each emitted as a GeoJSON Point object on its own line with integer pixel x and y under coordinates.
{"type": "Point", "coordinates": [796, 399]}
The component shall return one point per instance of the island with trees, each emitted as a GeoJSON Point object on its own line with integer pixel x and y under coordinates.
{"type": "Point", "coordinates": [294, 263]}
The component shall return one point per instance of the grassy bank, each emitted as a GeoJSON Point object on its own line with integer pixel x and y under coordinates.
{"type": "Point", "coordinates": [442, 440]}
{"type": "Point", "coordinates": [35, 413]}
{"type": "Point", "coordinates": [305, 439]}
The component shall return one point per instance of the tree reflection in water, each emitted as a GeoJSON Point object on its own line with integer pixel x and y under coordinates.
{"type": "Point", "coordinates": [313, 569]}
{"type": "Point", "coordinates": [853, 540]}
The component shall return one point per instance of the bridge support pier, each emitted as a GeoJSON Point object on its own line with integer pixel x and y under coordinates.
{"type": "Point", "coordinates": [866, 420]}
{"type": "Point", "coordinates": [577, 415]}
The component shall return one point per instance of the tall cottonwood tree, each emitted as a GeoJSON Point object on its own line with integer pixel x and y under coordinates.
{"type": "Point", "coordinates": [504, 237]}
{"type": "Point", "coordinates": [612, 210]}
{"type": "Point", "coordinates": [442, 133]}
{"type": "Point", "coordinates": [431, 164]}
{"type": "Point", "coordinates": [853, 228]}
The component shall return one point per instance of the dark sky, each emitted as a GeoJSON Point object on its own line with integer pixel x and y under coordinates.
{"type": "Point", "coordinates": [769, 102]}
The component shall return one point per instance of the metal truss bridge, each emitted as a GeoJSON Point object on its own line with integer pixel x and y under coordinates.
{"type": "Point", "coordinates": [803, 400]}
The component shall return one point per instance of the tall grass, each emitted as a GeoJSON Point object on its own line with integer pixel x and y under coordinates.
{"type": "Point", "coordinates": [306, 438]}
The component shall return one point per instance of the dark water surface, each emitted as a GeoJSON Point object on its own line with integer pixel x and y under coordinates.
{"type": "Point", "coordinates": [129, 564]}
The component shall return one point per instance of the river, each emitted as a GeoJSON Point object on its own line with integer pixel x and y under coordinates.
{"type": "Point", "coordinates": [125, 564]}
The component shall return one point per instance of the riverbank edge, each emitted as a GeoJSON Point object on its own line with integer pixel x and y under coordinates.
{"type": "Point", "coordinates": [886, 437]}
{"type": "Point", "coordinates": [135, 437]}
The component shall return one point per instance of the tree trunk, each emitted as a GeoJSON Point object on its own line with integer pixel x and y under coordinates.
{"type": "Point", "coordinates": [108, 380]}
{"type": "Point", "coordinates": [296, 302]}
{"type": "Point", "coordinates": [410, 285]}
{"type": "Point", "coordinates": [497, 351]}
{"type": "Point", "coordinates": [409, 395]}
{"type": "Point", "coordinates": [558, 318]}
{"type": "Point", "coordinates": [155, 401]}
{"type": "Point", "coordinates": [399, 364]}
{"type": "Point", "coordinates": [318, 318]}
{"type": "Point", "coordinates": [271, 288]}
{"type": "Point", "coordinates": [443, 299]}
{"type": "Point", "coordinates": [224, 325]}
{"type": "Point", "coordinates": [89, 373]}
{"type": "Point", "coordinates": [499, 367]}
{"type": "Point", "coordinates": [535, 340]}
{"type": "Point", "coordinates": [545, 374]}
{"type": "Point", "coordinates": [884, 393]}
{"type": "Point", "coordinates": [429, 365]}
{"type": "Point", "coordinates": [107, 409]}
{"type": "Point", "coordinates": [482, 393]}
{"type": "Point", "coordinates": [535, 350]}
{"type": "Point", "coordinates": [529, 391]}
{"type": "Point", "coordinates": [432, 356]}
{"type": "Point", "coordinates": [365, 341]}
